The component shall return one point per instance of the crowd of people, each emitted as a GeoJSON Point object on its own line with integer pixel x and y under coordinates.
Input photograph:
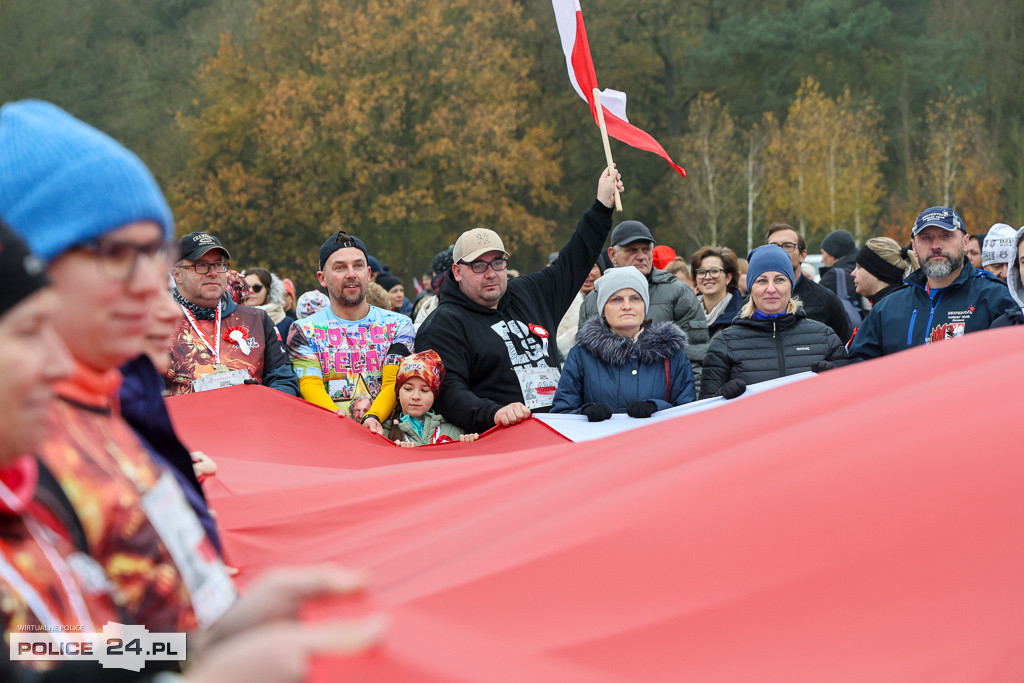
{"type": "Point", "coordinates": [102, 315]}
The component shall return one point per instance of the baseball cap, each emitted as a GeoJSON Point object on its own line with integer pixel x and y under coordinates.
{"type": "Point", "coordinates": [341, 240]}
{"type": "Point", "coordinates": [628, 232]}
{"type": "Point", "coordinates": [940, 217]}
{"type": "Point", "coordinates": [473, 244]}
{"type": "Point", "coordinates": [192, 246]}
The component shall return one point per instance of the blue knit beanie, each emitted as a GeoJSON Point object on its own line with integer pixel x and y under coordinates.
{"type": "Point", "coordinates": [62, 182]}
{"type": "Point", "coordinates": [767, 258]}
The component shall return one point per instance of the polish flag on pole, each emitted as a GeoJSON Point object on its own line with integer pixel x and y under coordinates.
{"type": "Point", "coordinates": [573, 34]}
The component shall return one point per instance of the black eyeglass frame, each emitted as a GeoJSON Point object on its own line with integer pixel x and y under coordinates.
{"type": "Point", "coordinates": [480, 267]}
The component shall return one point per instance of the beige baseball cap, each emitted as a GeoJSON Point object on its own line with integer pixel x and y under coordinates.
{"type": "Point", "coordinates": [473, 244]}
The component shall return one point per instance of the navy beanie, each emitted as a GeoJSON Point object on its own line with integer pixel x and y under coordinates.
{"type": "Point", "coordinates": [387, 281]}
{"type": "Point", "coordinates": [62, 182]}
{"type": "Point", "coordinates": [768, 258]}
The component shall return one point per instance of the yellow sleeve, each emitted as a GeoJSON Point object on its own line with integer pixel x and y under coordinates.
{"type": "Point", "coordinates": [312, 389]}
{"type": "Point", "coordinates": [384, 404]}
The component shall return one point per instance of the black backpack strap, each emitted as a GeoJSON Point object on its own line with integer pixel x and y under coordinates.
{"type": "Point", "coordinates": [50, 494]}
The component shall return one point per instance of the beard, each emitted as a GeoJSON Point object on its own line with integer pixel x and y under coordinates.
{"type": "Point", "coordinates": [941, 268]}
{"type": "Point", "coordinates": [349, 300]}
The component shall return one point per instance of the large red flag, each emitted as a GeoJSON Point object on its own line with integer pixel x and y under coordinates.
{"type": "Point", "coordinates": [833, 529]}
{"type": "Point", "coordinates": [584, 79]}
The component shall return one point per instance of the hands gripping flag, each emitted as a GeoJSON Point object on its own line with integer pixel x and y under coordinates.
{"type": "Point", "coordinates": [584, 79]}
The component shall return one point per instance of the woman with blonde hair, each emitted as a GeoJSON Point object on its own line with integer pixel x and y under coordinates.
{"type": "Point", "coordinates": [881, 266]}
{"type": "Point", "coordinates": [771, 337]}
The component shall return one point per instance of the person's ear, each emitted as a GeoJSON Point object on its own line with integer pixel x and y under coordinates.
{"type": "Point", "coordinates": [611, 255]}
{"type": "Point", "coordinates": [320, 278]}
{"type": "Point", "coordinates": [176, 274]}
{"type": "Point", "coordinates": [456, 272]}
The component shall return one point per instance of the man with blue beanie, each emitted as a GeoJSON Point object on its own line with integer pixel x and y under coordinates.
{"type": "Point", "coordinates": [93, 212]}
{"type": "Point", "coordinates": [945, 298]}
{"type": "Point", "coordinates": [71, 185]}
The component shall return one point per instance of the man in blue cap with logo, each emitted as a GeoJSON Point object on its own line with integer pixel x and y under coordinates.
{"type": "Point", "coordinates": [945, 298]}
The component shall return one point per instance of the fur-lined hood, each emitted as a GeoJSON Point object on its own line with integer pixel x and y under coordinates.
{"type": "Point", "coordinates": [656, 343]}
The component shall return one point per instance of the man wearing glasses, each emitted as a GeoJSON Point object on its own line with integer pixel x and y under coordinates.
{"type": "Point", "coordinates": [497, 338]}
{"type": "Point", "coordinates": [819, 303]}
{"type": "Point", "coordinates": [219, 343]}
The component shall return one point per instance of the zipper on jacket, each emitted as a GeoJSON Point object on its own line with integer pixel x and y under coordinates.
{"type": "Point", "coordinates": [778, 350]}
{"type": "Point", "coordinates": [931, 314]}
{"type": "Point", "coordinates": [910, 330]}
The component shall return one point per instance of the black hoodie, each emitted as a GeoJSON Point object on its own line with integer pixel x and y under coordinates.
{"type": "Point", "coordinates": [481, 347]}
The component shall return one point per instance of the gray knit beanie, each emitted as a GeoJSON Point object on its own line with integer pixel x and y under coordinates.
{"type": "Point", "coordinates": [615, 279]}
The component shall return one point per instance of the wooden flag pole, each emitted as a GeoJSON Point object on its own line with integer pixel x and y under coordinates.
{"type": "Point", "coordinates": [604, 139]}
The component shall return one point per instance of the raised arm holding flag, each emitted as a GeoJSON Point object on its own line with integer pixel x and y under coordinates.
{"type": "Point", "coordinates": [608, 107]}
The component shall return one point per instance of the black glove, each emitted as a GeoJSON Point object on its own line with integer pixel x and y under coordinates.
{"type": "Point", "coordinates": [822, 365]}
{"type": "Point", "coordinates": [732, 389]}
{"type": "Point", "coordinates": [398, 350]}
{"type": "Point", "coordinates": [641, 409]}
{"type": "Point", "coordinates": [597, 412]}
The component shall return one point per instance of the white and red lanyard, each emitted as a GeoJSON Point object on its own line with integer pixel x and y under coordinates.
{"type": "Point", "coordinates": [215, 350]}
{"type": "Point", "coordinates": [29, 594]}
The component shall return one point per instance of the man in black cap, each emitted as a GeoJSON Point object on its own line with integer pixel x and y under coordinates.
{"type": "Point", "coordinates": [671, 300]}
{"type": "Point", "coordinates": [349, 347]}
{"type": "Point", "coordinates": [219, 343]}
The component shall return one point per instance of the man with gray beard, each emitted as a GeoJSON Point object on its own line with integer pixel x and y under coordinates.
{"type": "Point", "coordinates": [945, 298]}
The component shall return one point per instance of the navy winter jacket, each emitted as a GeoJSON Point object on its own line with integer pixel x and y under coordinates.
{"type": "Point", "coordinates": [616, 371]}
{"type": "Point", "coordinates": [912, 316]}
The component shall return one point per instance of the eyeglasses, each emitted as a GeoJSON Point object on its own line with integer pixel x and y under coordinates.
{"type": "Point", "coordinates": [498, 264]}
{"type": "Point", "coordinates": [256, 289]}
{"type": "Point", "coordinates": [791, 247]}
{"type": "Point", "coordinates": [203, 268]}
{"type": "Point", "coordinates": [713, 272]}
{"type": "Point", "coordinates": [117, 260]}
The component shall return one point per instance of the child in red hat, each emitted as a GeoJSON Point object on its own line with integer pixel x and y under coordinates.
{"type": "Point", "coordinates": [418, 384]}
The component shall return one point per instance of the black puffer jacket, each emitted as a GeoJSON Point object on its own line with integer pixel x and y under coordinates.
{"type": "Point", "coordinates": [760, 350]}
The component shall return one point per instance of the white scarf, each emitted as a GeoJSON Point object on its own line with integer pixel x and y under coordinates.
{"type": "Point", "coordinates": [719, 308]}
